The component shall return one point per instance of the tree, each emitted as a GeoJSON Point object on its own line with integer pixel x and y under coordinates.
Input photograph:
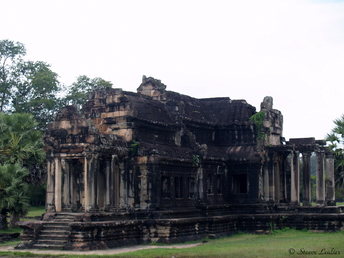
{"type": "Point", "coordinates": [77, 93]}
{"type": "Point", "coordinates": [13, 193]}
{"type": "Point", "coordinates": [20, 141]}
{"type": "Point", "coordinates": [336, 141]}
{"type": "Point", "coordinates": [10, 54]}
{"type": "Point", "coordinates": [21, 149]}
{"type": "Point", "coordinates": [35, 92]}
{"type": "Point", "coordinates": [27, 86]}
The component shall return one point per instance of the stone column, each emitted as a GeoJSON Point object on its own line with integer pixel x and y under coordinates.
{"type": "Point", "coordinates": [320, 178]}
{"type": "Point", "coordinates": [115, 192]}
{"type": "Point", "coordinates": [295, 179]}
{"type": "Point", "coordinates": [330, 184]}
{"type": "Point", "coordinates": [58, 183]}
{"type": "Point", "coordinates": [277, 177]}
{"type": "Point", "coordinates": [50, 194]}
{"type": "Point", "coordinates": [66, 194]}
{"type": "Point", "coordinates": [271, 179]}
{"type": "Point", "coordinates": [123, 182]}
{"type": "Point", "coordinates": [92, 181]}
{"type": "Point", "coordinates": [306, 171]}
{"type": "Point", "coordinates": [285, 185]}
{"type": "Point", "coordinates": [266, 182]}
{"type": "Point", "coordinates": [200, 183]}
{"type": "Point", "coordinates": [108, 183]}
{"type": "Point", "coordinates": [86, 185]}
{"type": "Point", "coordinates": [144, 194]}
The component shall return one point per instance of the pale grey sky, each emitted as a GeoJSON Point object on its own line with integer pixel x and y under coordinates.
{"type": "Point", "coordinates": [292, 50]}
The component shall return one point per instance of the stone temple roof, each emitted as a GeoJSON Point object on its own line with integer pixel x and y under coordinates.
{"type": "Point", "coordinates": [166, 123]}
{"type": "Point", "coordinates": [212, 111]}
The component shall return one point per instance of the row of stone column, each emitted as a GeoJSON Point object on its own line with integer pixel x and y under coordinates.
{"type": "Point", "coordinates": [325, 193]}
{"type": "Point", "coordinates": [100, 187]}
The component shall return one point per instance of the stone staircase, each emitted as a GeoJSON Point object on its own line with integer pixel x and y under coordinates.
{"type": "Point", "coordinates": [54, 234]}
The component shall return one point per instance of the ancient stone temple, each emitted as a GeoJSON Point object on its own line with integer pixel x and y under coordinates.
{"type": "Point", "coordinates": [156, 165]}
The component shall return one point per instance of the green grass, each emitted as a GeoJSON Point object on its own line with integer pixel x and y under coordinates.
{"type": "Point", "coordinates": [246, 245]}
{"type": "Point", "coordinates": [36, 211]}
{"type": "Point", "coordinates": [277, 244]}
{"type": "Point", "coordinates": [33, 212]}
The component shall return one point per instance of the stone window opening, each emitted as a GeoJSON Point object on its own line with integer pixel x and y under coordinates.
{"type": "Point", "coordinates": [219, 180]}
{"type": "Point", "coordinates": [191, 187]}
{"type": "Point", "coordinates": [240, 184]}
{"type": "Point", "coordinates": [165, 187]}
{"type": "Point", "coordinates": [219, 184]}
{"type": "Point", "coordinates": [210, 189]}
{"type": "Point", "coordinates": [178, 187]}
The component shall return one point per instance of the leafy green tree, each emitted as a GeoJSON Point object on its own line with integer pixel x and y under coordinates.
{"type": "Point", "coordinates": [13, 193]}
{"type": "Point", "coordinates": [22, 143]}
{"type": "Point", "coordinates": [35, 92]}
{"type": "Point", "coordinates": [10, 54]}
{"type": "Point", "coordinates": [27, 86]}
{"type": "Point", "coordinates": [21, 149]}
{"type": "Point", "coordinates": [336, 141]}
{"type": "Point", "coordinates": [77, 93]}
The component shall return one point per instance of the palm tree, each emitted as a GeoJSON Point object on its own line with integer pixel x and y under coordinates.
{"type": "Point", "coordinates": [13, 193]}
{"type": "Point", "coordinates": [336, 141]}
{"type": "Point", "coordinates": [20, 141]}
{"type": "Point", "coordinates": [20, 149]}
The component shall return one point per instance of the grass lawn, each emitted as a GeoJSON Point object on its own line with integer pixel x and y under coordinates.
{"type": "Point", "coordinates": [36, 211]}
{"type": "Point", "coordinates": [33, 212]}
{"type": "Point", "coordinates": [282, 243]}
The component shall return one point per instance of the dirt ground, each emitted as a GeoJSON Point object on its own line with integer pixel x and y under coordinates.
{"type": "Point", "coordinates": [97, 252]}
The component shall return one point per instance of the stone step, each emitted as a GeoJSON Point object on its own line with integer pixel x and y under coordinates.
{"type": "Point", "coordinates": [56, 224]}
{"type": "Point", "coordinates": [51, 241]}
{"type": "Point", "coordinates": [66, 215]}
{"type": "Point", "coordinates": [64, 220]}
{"type": "Point", "coordinates": [51, 246]}
{"type": "Point", "coordinates": [57, 227]}
{"type": "Point", "coordinates": [54, 231]}
{"type": "Point", "coordinates": [54, 236]}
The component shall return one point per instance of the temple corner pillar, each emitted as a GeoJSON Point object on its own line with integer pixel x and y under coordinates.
{"type": "Point", "coordinates": [295, 179]}
{"type": "Point", "coordinates": [58, 185]}
{"type": "Point", "coordinates": [50, 192]}
{"type": "Point", "coordinates": [306, 171]}
{"type": "Point", "coordinates": [320, 189]}
{"type": "Point", "coordinates": [330, 183]}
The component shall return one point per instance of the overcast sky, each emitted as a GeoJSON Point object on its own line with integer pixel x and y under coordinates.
{"type": "Point", "coordinates": [290, 50]}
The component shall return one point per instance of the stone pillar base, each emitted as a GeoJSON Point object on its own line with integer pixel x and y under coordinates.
{"type": "Point", "coordinates": [331, 203]}
{"type": "Point", "coordinates": [307, 204]}
{"type": "Point", "coordinates": [320, 203]}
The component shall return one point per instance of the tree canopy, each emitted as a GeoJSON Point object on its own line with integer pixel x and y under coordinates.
{"type": "Point", "coordinates": [10, 54]}
{"type": "Point", "coordinates": [13, 193]}
{"type": "Point", "coordinates": [336, 143]}
{"type": "Point", "coordinates": [20, 141]}
{"type": "Point", "coordinates": [77, 93]}
{"type": "Point", "coordinates": [21, 151]}
{"type": "Point", "coordinates": [27, 86]}
{"type": "Point", "coordinates": [35, 92]}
